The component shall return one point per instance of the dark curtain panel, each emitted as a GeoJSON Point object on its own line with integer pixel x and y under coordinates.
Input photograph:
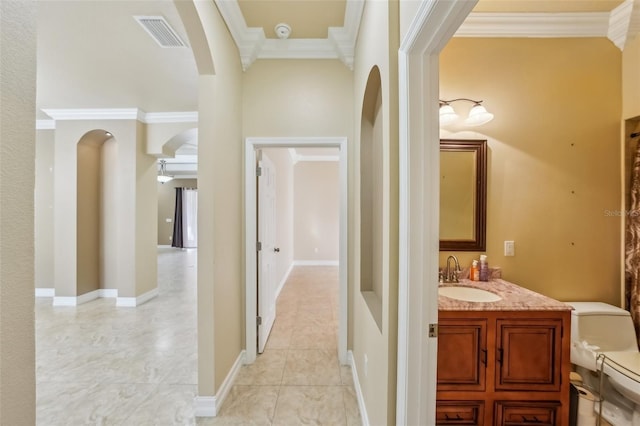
{"type": "Point", "coordinates": [632, 260]}
{"type": "Point", "coordinates": [177, 241]}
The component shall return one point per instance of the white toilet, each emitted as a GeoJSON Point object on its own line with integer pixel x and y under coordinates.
{"type": "Point", "coordinates": [598, 328]}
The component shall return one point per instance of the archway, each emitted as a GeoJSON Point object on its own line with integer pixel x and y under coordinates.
{"type": "Point", "coordinates": [95, 226]}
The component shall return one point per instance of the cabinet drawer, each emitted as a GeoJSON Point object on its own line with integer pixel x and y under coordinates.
{"type": "Point", "coordinates": [519, 413]}
{"type": "Point", "coordinates": [460, 413]}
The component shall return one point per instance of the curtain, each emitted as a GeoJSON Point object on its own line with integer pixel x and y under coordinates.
{"type": "Point", "coordinates": [185, 219]}
{"type": "Point", "coordinates": [177, 240]}
{"type": "Point", "coordinates": [190, 217]}
{"type": "Point", "coordinates": [632, 255]}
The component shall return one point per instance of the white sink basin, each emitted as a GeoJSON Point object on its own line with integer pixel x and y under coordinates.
{"type": "Point", "coordinates": [468, 294]}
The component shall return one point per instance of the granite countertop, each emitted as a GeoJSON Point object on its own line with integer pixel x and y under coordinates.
{"type": "Point", "coordinates": [514, 298]}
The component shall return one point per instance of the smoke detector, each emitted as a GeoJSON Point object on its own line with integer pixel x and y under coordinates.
{"type": "Point", "coordinates": [282, 31]}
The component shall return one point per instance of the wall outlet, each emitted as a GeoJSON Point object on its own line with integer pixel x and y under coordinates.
{"type": "Point", "coordinates": [366, 364]}
{"type": "Point", "coordinates": [169, 220]}
{"type": "Point", "coordinates": [509, 248]}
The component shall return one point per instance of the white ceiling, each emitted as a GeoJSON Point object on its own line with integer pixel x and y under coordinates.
{"type": "Point", "coordinates": [93, 53]}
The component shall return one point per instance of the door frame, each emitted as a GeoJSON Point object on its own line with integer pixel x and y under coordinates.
{"type": "Point", "coordinates": [251, 259]}
{"type": "Point", "coordinates": [434, 23]}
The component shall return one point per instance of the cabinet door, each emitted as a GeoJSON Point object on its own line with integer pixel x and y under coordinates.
{"type": "Point", "coordinates": [462, 354]}
{"type": "Point", "coordinates": [528, 354]}
{"type": "Point", "coordinates": [468, 413]}
{"type": "Point", "coordinates": [521, 413]}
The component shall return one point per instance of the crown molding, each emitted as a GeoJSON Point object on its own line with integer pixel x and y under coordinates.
{"type": "Point", "coordinates": [591, 24]}
{"type": "Point", "coordinates": [624, 23]}
{"type": "Point", "coordinates": [170, 117]}
{"type": "Point", "coordinates": [252, 43]}
{"type": "Point", "coordinates": [115, 114]}
{"type": "Point", "coordinates": [94, 113]}
{"type": "Point", "coordinates": [248, 40]}
{"type": "Point", "coordinates": [300, 48]}
{"type": "Point", "coordinates": [619, 20]}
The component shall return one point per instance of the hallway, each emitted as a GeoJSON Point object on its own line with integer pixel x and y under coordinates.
{"type": "Point", "coordinates": [101, 365]}
{"type": "Point", "coordinates": [298, 379]}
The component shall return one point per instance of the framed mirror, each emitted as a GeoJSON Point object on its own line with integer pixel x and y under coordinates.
{"type": "Point", "coordinates": [463, 195]}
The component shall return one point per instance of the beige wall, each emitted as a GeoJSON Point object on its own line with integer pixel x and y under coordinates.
{"type": "Point", "coordinates": [630, 80]}
{"type": "Point", "coordinates": [284, 209]}
{"type": "Point", "coordinates": [377, 45]}
{"type": "Point", "coordinates": [44, 209]}
{"type": "Point", "coordinates": [220, 189]}
{"type": "Point", "coordinates": [110, 209]}
{"type": "Point", "coordinates": [146, 208]}
{"type": "Point", "coordinates": [297, 98]}
{"type": "Point", "coordinates": [89, 202]}
{"type": "Point", "coordinates": [129, 182]}
{"type": "Point", "coordinates": [17, 182]}
{"type": "Point", "coordinates": [167, 206]}
{"type": "Point", "coordinates": [165, 138]}
{"type": "Point", "coordinates": [316, 207]}
{"type": "Point", "coordinates": [554, 158]}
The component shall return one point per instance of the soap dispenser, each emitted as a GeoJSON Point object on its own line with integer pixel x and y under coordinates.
{"type": "Point", "coordinates": [475, 272]}
{"type": "Point", "coordinates": [484, 268]}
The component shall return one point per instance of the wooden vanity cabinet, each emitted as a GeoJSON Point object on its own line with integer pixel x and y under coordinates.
{"type": "Point", "coordinates": [503, 368]}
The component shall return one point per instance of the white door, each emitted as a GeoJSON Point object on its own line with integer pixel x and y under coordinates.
{"type": "Point", "coordinates": [267, 250]}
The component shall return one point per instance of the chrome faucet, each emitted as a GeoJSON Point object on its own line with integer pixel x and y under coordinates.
{"type": "Point", "coordinates": [451, 276]}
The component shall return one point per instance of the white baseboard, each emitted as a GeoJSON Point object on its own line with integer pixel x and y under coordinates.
{"type": "Point", "coordinates": [356, 385]}
{"type": "Point", "coordinates": [108, 292]}
{"type": "Point", "coordinates": [76, 300]}
{"type": "Point", "coordinates": [51, 292]}
{"type": "Point", "coordinates": [204, 406]}
{"type": "Point", "coordinates": [45, 292]}
{"type": "Point", "coordinates": [132, 302]}
{"type": "Point", "coordinates": [284, 280]}
{"type": "Point", "coordinates": [209, 406]}
{"type": "Point", "coordinates": [316, 263]}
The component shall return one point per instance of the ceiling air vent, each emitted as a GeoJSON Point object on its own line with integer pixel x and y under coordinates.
{"type": "Point", "coordinates": [160, 30]}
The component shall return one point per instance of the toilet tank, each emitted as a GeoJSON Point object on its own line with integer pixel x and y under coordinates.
{"type": "Point", "coordinates": [605, 326]}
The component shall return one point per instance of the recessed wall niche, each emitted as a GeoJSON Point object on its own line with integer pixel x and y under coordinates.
{"type": "Point", "coordinates": [95, 230]}
{"type": "Point", "coordinates": [371, 196]}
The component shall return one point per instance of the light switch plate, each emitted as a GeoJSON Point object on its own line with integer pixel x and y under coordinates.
{"type": "Point", "coordinates": [509, 248]}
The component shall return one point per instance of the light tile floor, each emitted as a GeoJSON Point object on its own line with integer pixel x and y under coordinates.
{"type": "Point", "coordinates": [97, 364]}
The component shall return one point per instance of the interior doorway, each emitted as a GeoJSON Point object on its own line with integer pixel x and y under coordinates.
{"type": "Point", "coordinates": [251, 157]}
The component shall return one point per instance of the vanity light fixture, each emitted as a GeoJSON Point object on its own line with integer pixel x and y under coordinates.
{"type": "Point", "coordinates": [478, 114]}
{"type": "Point", "coordinates": [162, 178]}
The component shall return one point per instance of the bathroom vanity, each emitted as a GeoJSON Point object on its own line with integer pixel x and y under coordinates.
{"type": "Point", "coordinates": [502, 362]}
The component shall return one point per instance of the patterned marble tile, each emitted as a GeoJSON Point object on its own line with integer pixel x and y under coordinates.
{"type": "Point", "coordinates": [97, 364]}
{"type": "Point", "coordinates": [85, 404]}
{"type": "Point", "coordinates": [346, 375]}
{"type": "Point", "coordinates": [352, 411]}
{"type": "Point", "coordinates": [311, 367]}
{"type": "Point", "coordinates": [266, 370]}
{"type": "Point", "coordinates": [310, 405]}
{"type": "Point", "coordinates": [253, 404]}
{"type": "Point", "coordinates": [166, 405]}
{"type": "Point", "coordinates": [314, 338]}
